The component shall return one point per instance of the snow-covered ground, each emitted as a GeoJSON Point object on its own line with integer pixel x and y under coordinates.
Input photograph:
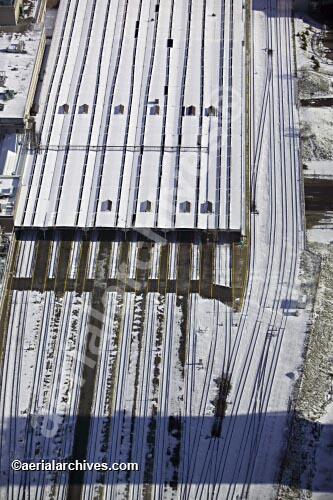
{"type": "Point", "coordinates": [322, 232]}
{"type": "Point", "coordinates": [322, 481]}
{"type": "Point", "coordinates": [308, 456]}
{"type": "Point", "coordinates": [193, 391]}
{"type": "Point", "coordinates": [40, 382]}
{"type": "Point", "coordinates": [316, 130]}
{"type": "Point", "coordinates": [316, 124]}
{"type": "Point", "coordinates": [322, 169]}
{"type": "Point", "coordinates": [317, 384]}
{"type": "Point", "coordinates": [308, 462]}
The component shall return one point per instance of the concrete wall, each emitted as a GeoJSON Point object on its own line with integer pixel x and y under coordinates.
{"type": "Point", "coordinates": [9, 14]}
{"type": "Point", "coordinates": [302, 5]}
{"type": "Point", "coordinates": [35, 75]}
{"type": "Point", "coordinates": [40, 15]}
{"type": "Point", "coordinates": [311, 5]}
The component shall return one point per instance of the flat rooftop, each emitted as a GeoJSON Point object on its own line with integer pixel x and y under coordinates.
{"type": "Point", "coordinates": [17, 68]}
{"type": "Point", "coordinates": [141, 120]}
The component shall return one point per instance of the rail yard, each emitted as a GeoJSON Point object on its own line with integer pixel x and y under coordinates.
{"type": "Point", "coordinates": [149, 311]}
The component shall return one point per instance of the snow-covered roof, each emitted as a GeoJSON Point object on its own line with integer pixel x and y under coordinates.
{"type": "Point", "coordinates": [147, 134]}
{"type": "Point", "coordinates": [18, 67]}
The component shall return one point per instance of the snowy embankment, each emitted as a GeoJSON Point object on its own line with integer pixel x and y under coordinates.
{"type": "Point", "coordinates": [315, 79]}
{"type": "Point", "coordinates": [311, 432]}
{"type": "Point", "coordinates": [306, 472]}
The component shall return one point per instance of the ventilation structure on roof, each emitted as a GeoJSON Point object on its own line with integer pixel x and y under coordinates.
{"type": "Point", "coordinates": [145, 206]}
{"type": "Point", "coordinates": [106, 206]}
{"type": "Point", "coordinates": [85, 108]}
{"type": "Point", "coordinates": [207, 207]}
{"type": "Point", "coordinates": [185, 207]}
{"type": "Point", "coordinates": [65, 108]}
{"type": "Point", "coordinates": [211, 111]}
{"type": "Point", "coordinates": [119, 110]}
{"type": "Point", "coordinates": [170, 43]}
{"type": "Point", "coordinates": [17, 47]}
{"type": "Point", "coordinates": [155, 110]}
{"type": "Point", "coordinates": [191, 111]}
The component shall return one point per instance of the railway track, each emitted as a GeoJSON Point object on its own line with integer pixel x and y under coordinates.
{"type": "Point", "coordinates": [134, 411]}
{"type": "Point", "coordinates": [263, 385]}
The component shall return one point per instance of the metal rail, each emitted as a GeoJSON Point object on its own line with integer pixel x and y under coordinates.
{"type": "Point", "coordinates": [106, 147]}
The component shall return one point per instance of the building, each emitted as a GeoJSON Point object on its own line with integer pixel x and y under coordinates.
{"type": "Point", "coordinates": [21, 59]}
{"type": "Point", "coordinates": [314, 6]}
{"type": "Point", "coordinates": [151, 136]}
{"type": "Point", "coordinates": [9, 12]}
{"type": "Point", "coordinates": [327, 8]}
{"type": "Point", "coordinates": [10, 171]}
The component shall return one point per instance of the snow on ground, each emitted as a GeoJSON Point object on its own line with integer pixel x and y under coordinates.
{"type": "Point", "coordinates": [316, 133]}
{"type": "Point", "coordinates": [323, 231]}
{"type": "Point", "coordinates": [319, 169]}
{"type": "Point", "coordinates": [322, 484]}
{"type": "Point", "coordinates": [93, 252]}
{"type": "Point", "coordinates": [25, 264]}
{"type": "Point", "coordinates": [74, 258]}
{"type": "Point", "coordinates": [114, 259]}
{"type": "Point", "coordinates": [305, 30]}
{"type": "Point", "coordinates": [205, 383]}
{"type": "Point", "coordinates": [156, 255]}
{"type": "Point", "coordinates": [41, 382]}
{"type": "Point", "coordinates": [316, 124]}
{"type": "Point", "coordinates": [195, 261]}
{"type": "Point", "coordinates": [54, 255]}
{"type": "Point", "coordinates": [312, 428]}
{"type": "Point", "coordinates": [321, 342]}
{"type": "Point", "coordinates": [133, 256]}
{"type": "Point", "coordinates": [173, 258]}
{"type": "Point", "coordinates": [222, 269]}
{"type": "Point", "coordinates": [276, 161]}
{"type": "Point", "coordinates": [306, 473]}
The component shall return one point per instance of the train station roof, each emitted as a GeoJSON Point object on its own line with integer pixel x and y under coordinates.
{"type": "Point", "coordinates": [147, 134]}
